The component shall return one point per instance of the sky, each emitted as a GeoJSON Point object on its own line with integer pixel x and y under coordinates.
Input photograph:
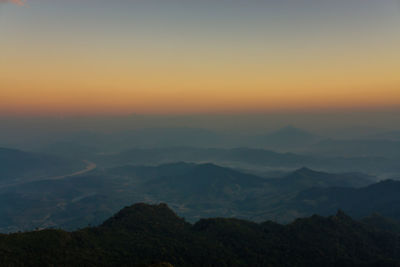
{"type": "Point", "coordinates": [72, 58]}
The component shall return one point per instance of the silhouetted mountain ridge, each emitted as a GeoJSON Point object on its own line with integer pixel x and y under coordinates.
{"type": "Point", "coordinates": [142, 233]}
{"type": "Point", "coordinates": [250, 158]}
{"type": "Point", "coordinates": [382, 197]}
{"type": "Point", "coordinates": [306, 177]}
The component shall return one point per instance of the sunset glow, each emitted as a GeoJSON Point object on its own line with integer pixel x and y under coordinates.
{"type": "Point", "coordinates": [152, 57]}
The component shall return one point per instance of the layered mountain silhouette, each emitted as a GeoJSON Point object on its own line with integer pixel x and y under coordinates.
{"type": "Point", "coordinates": [141, 234]}
{"type": "Point", "coordinates": [382, 197]}
{"type": "Point", "coordinates": [194, 190]}
{"type": "Point", "coordinates": [249, 158]}
{"type": "Point", "coordinates": [305, 177]}
{"type": "Point", "coordinates": [358, 147]}
{"type": "Point", "coordinates": [17, 164]}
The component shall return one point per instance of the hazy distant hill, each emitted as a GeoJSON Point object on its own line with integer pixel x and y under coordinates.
{"type": "Point", "coordinates": [166, 145]}
{"type": "Point", "coordinates": [16, 164]}
{"type": "Point", "coordinates": [192, 154]}
{"type": "Point", "coordinates": [142, 233]}
{"type": "Point", "coordinates": [288, 138]}
{"type": "Point", "coordinates": [306, 177]}
{"type": "Point", "coordinates": [362, 147]}
{"type": "Point", "coordinates": [393, 135]}
{"type": "Point", "coordinates": [141, 138]}
{"type": "Point", "coordinates": [195, 191]}
{"type": "Point", "coordinates": [382, 197]}
{"type": "Point", "coordinates": [169, 137]}
{"type": "Point", "coordinates": [257, 160]}
{"type": "Point", "coordinates": [70, 149]}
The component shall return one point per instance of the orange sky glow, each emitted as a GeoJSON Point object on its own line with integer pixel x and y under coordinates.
{"type": "Point", "coordinates": [97, 69]}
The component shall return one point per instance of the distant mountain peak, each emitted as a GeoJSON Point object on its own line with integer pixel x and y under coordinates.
{"type": "Point", "coordinates": [305, 178]}
{"type": "Point", "coordinates": [210, 166]}
{"type": "Point", "coordinates": [211, 169]}
{"type": "Point", "coordinates": [305, 170]}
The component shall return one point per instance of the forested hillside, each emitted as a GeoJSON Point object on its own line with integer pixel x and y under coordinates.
{"type": "Point", "coordinates": [144, 234]}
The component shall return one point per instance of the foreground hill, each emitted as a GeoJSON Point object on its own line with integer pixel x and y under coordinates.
{"type": "Point", "coordinates": [142, 234]}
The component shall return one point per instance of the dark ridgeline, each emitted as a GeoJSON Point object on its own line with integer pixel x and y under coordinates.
{"type": "Point", "coordinates": [142, 234]}
{"type": "Point", "coordinates": [382, 197]}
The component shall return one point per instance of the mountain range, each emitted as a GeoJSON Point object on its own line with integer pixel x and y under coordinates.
{"type": "Point", "coordinates": [194, 190]}
{"type": "Point", "coordinates": [141, 234]}
{"type": "Point", "coordinates": [382, 197]}
{"type": "Point", "coordinates": [17, 165]}
{"type": "Point", "coordinates": [258, 161]}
